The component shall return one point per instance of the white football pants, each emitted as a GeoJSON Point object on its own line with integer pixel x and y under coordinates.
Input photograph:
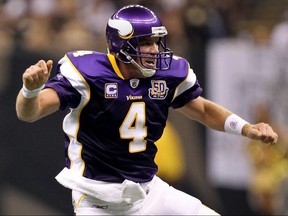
{"type": "Point", "coordinates": [161, 199]}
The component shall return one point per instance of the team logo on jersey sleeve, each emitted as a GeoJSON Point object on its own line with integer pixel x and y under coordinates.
{"type": "Point", "coordinates": [158, 90]}
{"type": "Point", "coordinates": [111, 90]}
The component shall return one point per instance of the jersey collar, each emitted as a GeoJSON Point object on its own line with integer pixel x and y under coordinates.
{"type": "Point", "coordinates": [112, 60]}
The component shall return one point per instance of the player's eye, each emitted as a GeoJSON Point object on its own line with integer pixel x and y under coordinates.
{"type": "Point", "coordinates": [146, 43]}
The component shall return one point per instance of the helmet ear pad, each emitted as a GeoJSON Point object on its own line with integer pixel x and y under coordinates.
{"type": "Point", "coordinates": [114, 42]}
{"type": "Point", "coordinates": [131, 46]}
{"type": "Point", "coordinates": [130, 50]}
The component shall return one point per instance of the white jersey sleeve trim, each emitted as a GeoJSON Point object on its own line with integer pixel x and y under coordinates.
{"type": "Point", "coordinates": [74, 77]}
{"type": "Point", "coordinates": [186, 84]}
{"type": "Point", "coordinates": [71, 121]}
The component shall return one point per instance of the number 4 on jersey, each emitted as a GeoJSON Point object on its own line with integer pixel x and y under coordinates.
{"type": "Point", "coordinates": [133, 127]}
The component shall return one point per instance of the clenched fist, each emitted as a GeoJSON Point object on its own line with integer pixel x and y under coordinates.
{"type": "Point", "coordinates": [262, 132]}
{"type": "Point", "coordinates": [37, 75]}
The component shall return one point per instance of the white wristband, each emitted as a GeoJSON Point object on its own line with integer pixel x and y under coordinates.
{"type": "Point", "coordinates": [234, 124]}
{"type": "Point", "coordinates": [31, 93]}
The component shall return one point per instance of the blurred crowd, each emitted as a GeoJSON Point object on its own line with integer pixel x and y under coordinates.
{"type": "Point", "coordinates": [54, 27]}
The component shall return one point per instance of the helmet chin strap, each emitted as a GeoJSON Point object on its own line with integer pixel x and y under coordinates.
{"type": "Point", "coordinates": [146, 72]}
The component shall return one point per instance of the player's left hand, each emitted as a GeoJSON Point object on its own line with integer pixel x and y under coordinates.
{"type": "Point", "coordinates": [261, 131]}
{"type": "Point", "coordinates": [37, 75]}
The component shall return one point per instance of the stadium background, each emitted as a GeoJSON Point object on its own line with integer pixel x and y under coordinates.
{"type": "Point", "coordinates": [204, 32]}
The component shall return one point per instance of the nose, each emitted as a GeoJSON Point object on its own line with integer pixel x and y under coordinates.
{"type": "Point", "coordinates": [154, 48]}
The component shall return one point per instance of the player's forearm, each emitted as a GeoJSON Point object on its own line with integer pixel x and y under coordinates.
{"type": "Point", "coordinates": [207, 113]}
{"type": "Point", "coordinates": [27, 109]}
{"type": "Point", "coordinates": [215, 116]}
{"type": "Point", "coordinates": [221, 119]}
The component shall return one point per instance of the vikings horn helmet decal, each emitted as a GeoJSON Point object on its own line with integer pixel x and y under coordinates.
{"type": "Point", "coordinates": [125, 29]}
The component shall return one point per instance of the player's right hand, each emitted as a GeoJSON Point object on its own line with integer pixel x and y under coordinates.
{"type": "Point", "coordinates": [37, 75]}
{"type": "Point", "coordinates": [261, 131]}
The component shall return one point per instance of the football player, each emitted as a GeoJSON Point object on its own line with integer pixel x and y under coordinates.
{"type": "Point", "coordinates": [118, 106]}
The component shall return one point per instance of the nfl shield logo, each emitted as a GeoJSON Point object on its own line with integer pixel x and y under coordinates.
{"type": "Point", "coordinates": [134, 83]}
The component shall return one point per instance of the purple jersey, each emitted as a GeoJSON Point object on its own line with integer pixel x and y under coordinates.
{"type": "Point", "coordinates": [113, 123]}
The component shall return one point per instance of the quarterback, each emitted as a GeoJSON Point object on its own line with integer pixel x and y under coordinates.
{"type": "Point", "coordinates": [117, 105]}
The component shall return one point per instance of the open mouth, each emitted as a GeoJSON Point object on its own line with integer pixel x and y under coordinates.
{"type": "Point", "coordinates": [149, 62]}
